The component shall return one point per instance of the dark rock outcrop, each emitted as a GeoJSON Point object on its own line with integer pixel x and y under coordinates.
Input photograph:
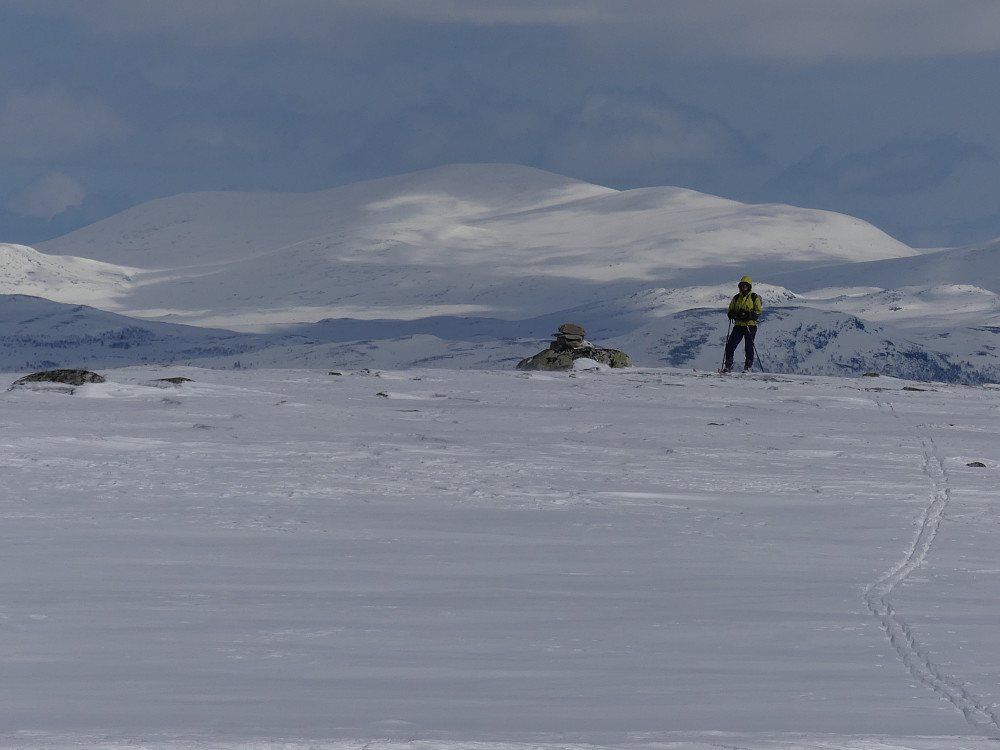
{"type": "Point", "coordinates": [551, 359]}
{"type": "Point", "coordinates": [62, 381]}
{"type": "Point", "coordinates": [570, 345]}
{"type": "Point", "coordinates": [64, 377]}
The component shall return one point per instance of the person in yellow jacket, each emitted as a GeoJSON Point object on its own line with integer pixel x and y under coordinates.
{"type": "Point", "coordinates": [743, 311]}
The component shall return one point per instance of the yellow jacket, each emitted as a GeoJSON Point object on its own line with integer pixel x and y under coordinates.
{"type": "Point", "coordinates": [744, 308]}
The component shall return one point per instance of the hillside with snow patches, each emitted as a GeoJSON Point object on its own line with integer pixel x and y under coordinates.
{"type": "Point", "coordinates": [475, 265]}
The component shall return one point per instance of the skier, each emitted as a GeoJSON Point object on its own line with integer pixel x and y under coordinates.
{"type": "Point", "coordinates": [743, 311]}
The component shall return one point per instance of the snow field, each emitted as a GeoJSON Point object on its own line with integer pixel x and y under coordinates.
{"type": "Point", "coordinates": [436, 558]}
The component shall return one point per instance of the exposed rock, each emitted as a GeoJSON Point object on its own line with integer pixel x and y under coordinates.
{"type": "Point", "coordinates": [570, 336]}
{"type": "Point", "coordinates": [571, 329]}
{"type": "Point", "coordinates": [976, 464]}
{"type": "Point", "coordinates": [570, 345]}
{"type": "Point", "coordinates": [60, 377]}
{"type": "Point", "coordinates": [563, 358]}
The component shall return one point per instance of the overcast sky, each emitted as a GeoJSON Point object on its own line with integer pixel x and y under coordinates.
{"type": "Point", "coordinates": [883, 109]}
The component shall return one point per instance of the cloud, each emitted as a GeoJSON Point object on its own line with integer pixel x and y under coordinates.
{"type": "Point", "coordinates": [219, 22]}
{"type": "Point", "coordinates": [614, 137]}
{"type": "Point", "coordinates": [769, 30]}
{"type": "Point", "coordinates": [901, 167]}
{"type": "Point", "coordinates": [37, 124]}
{"type": "Point", "coordinates": [814, 31]}
{"type": "Point", "coordinates": [47, 197]}
{"type": "Point", "coordinates": [766, 30]}
{"type": "Point", "coordinates": [238, 21]}
{"type": "Point", "coordinates": [643, 137]}
{"type": "Point", "coordinates": [436, 133]}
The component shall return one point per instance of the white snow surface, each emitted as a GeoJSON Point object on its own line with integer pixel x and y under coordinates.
{"type": "Point", "coordinates": [648, 559]}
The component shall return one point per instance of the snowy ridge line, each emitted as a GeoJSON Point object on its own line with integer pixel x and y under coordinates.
{"type": "Point", "coordinates": [878, 597]}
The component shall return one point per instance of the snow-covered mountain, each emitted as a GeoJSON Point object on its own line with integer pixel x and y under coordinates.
{"type": "Point", "coordinates": [38, 334]}
{"type": "Point", "coordinates": [474, 265]}
{"type": "Point", "coordinates": [977, 265]}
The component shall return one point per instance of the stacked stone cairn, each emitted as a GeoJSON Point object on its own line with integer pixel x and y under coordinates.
{"type": "Point", "coordinates": [570, 336]}
{"type": "Point", "coordinates": [570, 345]}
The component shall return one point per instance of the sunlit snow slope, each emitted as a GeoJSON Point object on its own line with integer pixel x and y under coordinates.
{"type": "Point", "coordinates": [497, 240]}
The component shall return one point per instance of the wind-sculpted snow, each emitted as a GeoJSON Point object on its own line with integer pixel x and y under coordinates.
{"type": "Point", "coordinates": [439, 559]}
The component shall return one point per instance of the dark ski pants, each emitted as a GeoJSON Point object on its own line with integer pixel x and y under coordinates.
{"type": "Point", "coordinates": [747, 335]}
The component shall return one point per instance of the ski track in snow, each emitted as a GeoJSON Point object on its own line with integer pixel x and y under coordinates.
{"type": "Point", "coordinates": [236, 472]}
{"type": "Point", "coordinates": [878, 596]}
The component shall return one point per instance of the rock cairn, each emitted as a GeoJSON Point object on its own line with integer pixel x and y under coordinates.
{"type": "Point", "coordinates": [570, 345]}
{"type": "Point", "coordinates": [570, 336]}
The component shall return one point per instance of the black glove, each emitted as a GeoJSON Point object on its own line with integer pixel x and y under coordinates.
{"type": "Point", "coordinates": [731, 316]}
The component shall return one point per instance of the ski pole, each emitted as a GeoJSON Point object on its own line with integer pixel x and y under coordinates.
{"type": "Point", "coordinates": [728, 332]}
{"type": "Point", "coordinates": [757, 355]}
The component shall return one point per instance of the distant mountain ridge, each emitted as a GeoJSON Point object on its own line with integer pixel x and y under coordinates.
{"type": "Point", "coordinates": [486, 240]}
{"type": "Point", "coordinates": [475, 265]}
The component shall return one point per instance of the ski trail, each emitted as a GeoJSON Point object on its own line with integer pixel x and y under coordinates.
{"type": "Point", "coordinates": [878, 597]}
